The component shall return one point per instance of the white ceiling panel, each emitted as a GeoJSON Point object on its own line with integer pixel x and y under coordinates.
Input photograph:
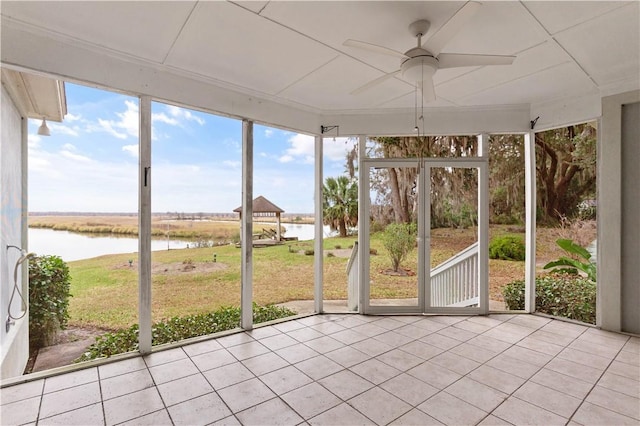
{"type": "Point", "coordinates": [607, 47]}
{"type": "Point", "coordinates": [330, 86]}
{"type": "Point", "coordinates": [143, 29]}
{"type": "Point", "coordinates": [254, 6]}
{"type": "Point", "coordinates": [559, 15]}
{"type": "Point", "coordinates": [257, 54]}
{"type": "Point", "coordinates": [554, 83]}
{"type": "Point", "coordinates": [499, 28]}
{"type": "Point", "coordinates": [536, 59]}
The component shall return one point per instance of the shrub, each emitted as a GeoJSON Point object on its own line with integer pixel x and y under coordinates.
{"type": "Point", "coordinates": [309, 252]}
{"type": "Point", "coordinates": [49, 283]}
{"type": "Point", "coordinates": [573, 265]}
{"type": "Point", "coordinates": [558, 294]}
{"type": "Point", "coordinates": [507, 247]}
{"type": "Point", "coordinates": [180, 328]}
{"type": "Point", "coordinates": [399, 239]}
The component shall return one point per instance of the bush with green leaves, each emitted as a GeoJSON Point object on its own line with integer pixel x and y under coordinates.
{"type": "Point", "coordinates": [399, 239]}
{"type": "Point", "coordinates": [558, 294]}
{"type": "Point", "coordinates": [507, 247]}
{"type": "Point", "coordinates": [180, 328]}
{"type": "Point", "coordinates": [572, 265]}
{"type": "Point", "coordinates": [49, 292]}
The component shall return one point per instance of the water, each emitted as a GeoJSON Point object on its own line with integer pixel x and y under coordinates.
{"type": "Point", "coordinates": [72, 246]}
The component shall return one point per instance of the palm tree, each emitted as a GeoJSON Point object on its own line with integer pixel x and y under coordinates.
{"type": "Point", "coordinates": [340, 204]}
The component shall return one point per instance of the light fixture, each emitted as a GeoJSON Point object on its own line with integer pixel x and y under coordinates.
{"type": "Point", "coordinates": [43, 130]}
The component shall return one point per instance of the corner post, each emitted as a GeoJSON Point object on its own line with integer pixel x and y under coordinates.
{"type": "Point", "coordinates": [530, 219]}
{"type": "Point", "coordinates": [318, 239]}
{"type": "Point", "coordinates": [483, 222]}
{"type": "Point", "coordinates": [144, 226]}
{"type": "Point", "coordinates": [246, 225]}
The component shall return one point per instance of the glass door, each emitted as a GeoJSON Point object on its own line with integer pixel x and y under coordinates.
{"type": "Point", "coordinates": [424, 241]}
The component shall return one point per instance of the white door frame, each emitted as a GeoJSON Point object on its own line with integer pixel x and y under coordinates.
{"type": "Point", "coordinates": [424, 220]}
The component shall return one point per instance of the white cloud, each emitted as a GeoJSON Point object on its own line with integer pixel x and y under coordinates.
{"type": "Point", "coordinates": [285, 159]}
{"type": "Point", "coordinates": [337, 150]}
{"type": "Point", "coordinates": [61, 129]}
{"type": "Point", "coordinates": [268, 133]}
{"type": "Point", "coordinates": [163, 118]}
{"type": "Point", "coordinates": [302, 148]}
{"type": "Point", "coordinates": [125, 126]}
{"type": "Point", "coordinates": [178, 112]}
{"type": "Point", "coordinates": [75, 157]}
{"type": "Point", "coordinates": [72, 117]}
{"type": "Point", "coordinates": [232, 164]}
{"type": "Point", "coordinates": [131, 150]}
{"type": "Point", "coordinates": [69, 147]}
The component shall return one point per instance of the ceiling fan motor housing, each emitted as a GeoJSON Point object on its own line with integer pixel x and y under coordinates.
{"type": "Point", "coordinates": [420, 65]}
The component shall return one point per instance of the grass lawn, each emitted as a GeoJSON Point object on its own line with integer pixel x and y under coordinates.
{"type": "Point", "coordinates": [187, 281]}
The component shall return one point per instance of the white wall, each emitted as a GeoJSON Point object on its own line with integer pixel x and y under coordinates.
{"type": "Point", "coordinates": [15, 342]}
{"type": "Point", "coordinates": [617, 195]}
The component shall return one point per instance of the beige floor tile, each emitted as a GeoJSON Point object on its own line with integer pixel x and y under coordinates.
{"type": "Point", "coordinates": [375, 371]}
{"type": "Point", "coordinates": [474, 327]}
{"type": "Point", "coordinates": [247, 350]}
{"type": "Point", "coordinates": [615, 401]}
{"type": "Point", "coordinates": [69, 399]}
{"type": "Point", "coordinates": [389, 323]}
{"type": "Point", "coordinates": [593, 348]}
{"type": "Point", "coordinates": [411, 390]}
{"type": "Point", "coordinates": [271, 412]}
{"type": "Point", "coordinates": [624, 369]}
{"type": "Point", "coordinates": [328, 327]}
{"type": "Point", "coordinates": [372, 347]}
{"type": "Point", "coordinates": [305, 334]}
{"type": "Point", "coordinates": [126, 383]}
{"type": "Point", "coordinates": [489, 343]}
{"type": "Point", "coordinates": [529, 356]}
{"type": "Point", "coordinates": [69, 380]}
{"type": "Point", "coordinates": [341, 415]}
{"type": "Point", "coordinates": [246, 394]}
{"type": "Point", "coordinates": [296, 353]}
{"type": "Point", "coordinates": [473, 352]}
{"type": "Point", "coordinates": [228, 375]}
{"type": "Point", "coordinates": [284, 380]}
{"type": "Point", "coordinates": [265, 363]}
{"type": "Point", "coordinates": [324, 344]}
{"type": "Point", "coordinates": [421, 350]}
{"type": "Point", "coordinates": [535, 344]}
{"type": "Point", "coordinates": [157, 418]}
{"type": "Point", "coordinates": [89, 415]}
{"type": "Point", "coordinates": [227, 421]}
{"type": "Point", "coordinates": [562, 383]}
{"type": "Point", "coordinates": [20, 412]}
{"type": "Point", "coordinates": [288, 326]}
{"type": "Point", "coordinates": [496, 379]}
{"type": "Point", "coordinates": [345, 384]}
{"type": "Point", "coordinates": [514, 366]}
{"type": "Point", "coordinates": [183, 389]}
{"type": "Point", "coordinates": [549, 337]}
{"type": "Point", "coordinates": [278, 341]}
{"type": "Point", "coordinates": [318, 367]}
{"type": "Point", "coordinates": [456, 363]}
{"type": "Point", "coordinates": [202, 410]}
{"type": "Point", "coordinates": [310, 400]}
{"type": "Point", "coordinates": [620, 384]}
{"type": "Point", "coordinates": [573, 369]}
{"type": "Point", "coordinates": [214, 359]}
{"type": "Point", "coordinates": [584, 358]}
{"type": "Point", "coordinates": [434, 375]}
{"type": "Point", "coordinates": [379, 405]}
{"type": "Point", "coordinates": [457, 333]}
{"type": "Point", "coordinates": [450, 410]}
{"type": "Point", "coordinates": [557, 402]}
{"type": "Point", "coordinates": [519, 412]}
{"type": "Point", "coordinates": [369, 329]}
{"type": "Point", "coordinates": [492, 420]}
{"type": "Point", "coordinates": [261, 332]}
{"type": "Point", "coordinates": [412, 332]}
{"type": "Point", "coordinates": [530, 321]}
{"type": "Point", "coordinates": [399, 359]}
{"type": "Point", "coordinates": [440, 341]}
{"type": "Point", "coordinates": [348, 337]}
{"type": "Point", "coordinates": [590, 414]}
{"type": "Point", "coordinates": [240, 338]}
{"type": "Point", "coordinates": [394, 339]}
{"type": "Point", "coordinates": [202, 347]}
{"type": "Point", "coordinates": [131, 406]}
{"type": "Point", "coordinates": [121, 367]}
{"type": "Point", "coordinates": [162, 357]}
{"type": "Point", "coordinates": [347, 356]}
{"type": "Point", "coordinates": [628, 358]}
{"type": "Point", "coordinates": [22, 391]}
{"type": "Point", "coordinates": [477, 394]}
{"type": "Point", "coordinates": [415, 417]}
{"type": "Point", "coordinates": [173, 370]}
{"type": "Point", "coordinates": [565, 328]}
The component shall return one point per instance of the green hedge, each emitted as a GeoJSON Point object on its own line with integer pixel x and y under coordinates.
{"type": "Point", "coordinates": [507, 247]}
{"type": "Point", "coordinates": [562, 295]}
{"type": "Point", "coordinates": [49, 287]}
{"type": "Point", "coordinates": [180, 328]}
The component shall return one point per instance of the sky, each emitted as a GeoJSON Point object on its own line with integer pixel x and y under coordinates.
{"type": "Point", "coordinates": [90, 161]}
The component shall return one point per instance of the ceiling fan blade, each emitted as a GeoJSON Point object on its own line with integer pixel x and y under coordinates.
{"type": "Point", "coordinates": [436, 43]}
{"type": "Point", "coordinates": [427, 89]}
{"type": "Point", "coordinates": [453, 60]}
{"type": "Point", "coordinates": [374, 83]}
{"type": "Point", "coordinates": [374, 48]}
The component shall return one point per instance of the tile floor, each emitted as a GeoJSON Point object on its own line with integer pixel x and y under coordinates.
{"type": "Point", "coordinates": [352, 370]}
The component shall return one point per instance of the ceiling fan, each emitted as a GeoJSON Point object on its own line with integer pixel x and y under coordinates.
{"type": "Point", "coordinates": [419, 64]}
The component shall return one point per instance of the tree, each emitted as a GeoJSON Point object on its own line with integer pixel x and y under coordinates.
{"type": "Point", "coordinates": [566, 169]}
{"type": "Point", "coordinates": [399, 239]}
{"type": "Point", "coordinates": [340, 204]}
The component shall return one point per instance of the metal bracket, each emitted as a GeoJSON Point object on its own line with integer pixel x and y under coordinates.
{"type": "Point", "coordinates": [533, 122]}
{"type": "Point", "coordinates": [325, 129]}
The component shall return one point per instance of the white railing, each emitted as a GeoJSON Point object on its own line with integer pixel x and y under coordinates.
{"type": "Point", "coordinates": [454, 283]}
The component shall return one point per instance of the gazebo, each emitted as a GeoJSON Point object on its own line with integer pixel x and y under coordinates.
{"type": "Point", "coordinates": [265, 208]}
